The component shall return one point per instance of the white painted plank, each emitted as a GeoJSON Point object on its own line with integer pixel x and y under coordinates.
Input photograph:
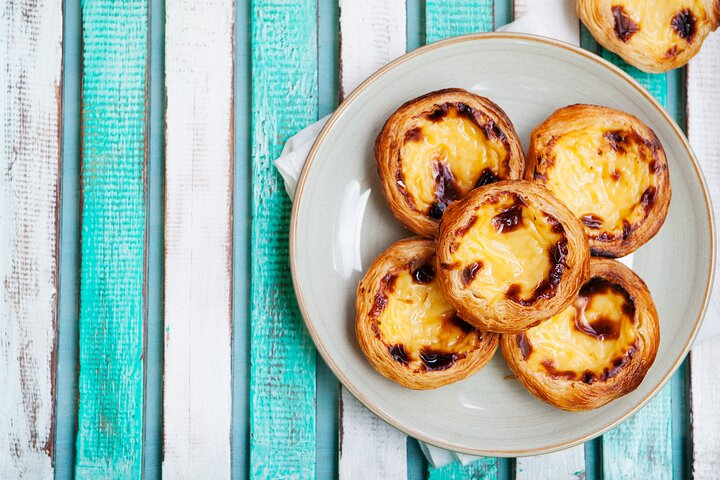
{"type": "Point", "coordinates": [372, 33]}
{"type": "Point", "coordinates": [564, 465]}
{"type": "Point", "coordinates": [30, 75]}
{"type": "Point", "coordinates": [369, 448]}
{"type": "Point", "coordinates": [198, 219]}
{"type": "Point", "coordinates": [558, 20]}
{"type": "Point", "coordinates": [703, 118]}
{"type": "Point", "coordinates": [551, 18]}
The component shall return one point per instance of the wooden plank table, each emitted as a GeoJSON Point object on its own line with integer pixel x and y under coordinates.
{"type": "Point", "coordinates": [148, 325]}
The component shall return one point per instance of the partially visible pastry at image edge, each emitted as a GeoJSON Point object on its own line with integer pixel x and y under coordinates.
{"type": "Point", "coordinates": [655, 36]}
{"type": "Point", "coordinates": [436, 148]}
{"type": "Point", "coordinates": [407, 329]}
{"type": "Point", "coordinates": [598, 349]}
{"type": "Point", "coordinates": [609, 169]}
{"type": "Point", "coordinates": [511, 255]}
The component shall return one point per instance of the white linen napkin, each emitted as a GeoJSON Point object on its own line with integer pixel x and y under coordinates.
{"type": "Point", "coordinates": [295, 152]}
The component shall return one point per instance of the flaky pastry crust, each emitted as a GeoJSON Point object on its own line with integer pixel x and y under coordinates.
{"type": "Point", "coordinates": [406, 328]}
{"type": "Point", "coordinates": [586, 387]}
{"type": "Point", "coordinates": [511, 255]}
{"type": "Point", "coordinates": [436, 148]}
{"type": "Point", "coordinates": [654, 36]}
{"type": "Point", "coordinates": [609, 168]}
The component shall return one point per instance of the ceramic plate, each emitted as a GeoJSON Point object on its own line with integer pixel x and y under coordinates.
{"type": "Point", "coordinates": [341, 222]}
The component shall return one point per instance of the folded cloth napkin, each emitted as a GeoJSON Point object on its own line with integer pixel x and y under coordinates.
{"type": "Point", "coordinates": [295, 152]}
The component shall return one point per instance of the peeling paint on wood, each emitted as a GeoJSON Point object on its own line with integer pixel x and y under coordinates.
{"type": "Point", "coordinates": [703, 118]}
{"type": "Point", "coordinates": [282, 358]}
{"type": "Point", "coordinates": [112, 270]}
{"type": "Point", "coordinates": [198, 239]}
{"type": "Point", "coordinates": [31, 42]}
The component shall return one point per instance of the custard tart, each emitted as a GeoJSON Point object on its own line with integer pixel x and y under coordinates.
{"type": "Point", "coordinates": [609, 169]}
{"type": "Point", "coordinates": [598, 349]}
{"type": "Point", "coordinates": [436, 148]}
{"type": "Point", "coordinates": [655, 36]}
{"type": "Point", "coordinates": [407, 329]}
{"type": "Point", "coordinates": [511, 255]}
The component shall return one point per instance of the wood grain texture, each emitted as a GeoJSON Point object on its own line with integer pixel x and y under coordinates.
{"type": "Point", "coordinates": [444, 19]}
{"type": "Point", "coordinates": [282, 358]}
{"type": "Point", "coordinates": [570, 463]}
{"type": "Point", "coordinates": [112, 310]}
{"type": "Point", "coordinates": [198, 239]}
{"type": "Point", "coordinates": [372, 33]}
{"type": "Point", "coordinates": [450, 18]}
{"type": "Point", "coordinates": [483, 469]}
{"type": "Point", "coordinates": [642, 446]}
{"type": "Point", "coordinates": [369, 448]}
{"type": "Point", "coordinates": [563, 465]}
{"type": "Point", "coordinates": [703, 118]}
{"type": "Point", "coordinates": [31, 42]}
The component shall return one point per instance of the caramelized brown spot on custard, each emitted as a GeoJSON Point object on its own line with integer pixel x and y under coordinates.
{"type": "Point", "coordinates": [625, 27]}
{"type": "Point", "coordinates": [399, 354]}
{"type": "Point", "coordinates": [592, 221]}
{"type": "Point", "coordinates": [423, 274]}
{"type": "Point", "coordinates": [493, 132]}
{"type": "Point", "coordinates": [627, 229]}
{"type": "Point", "coordinates": [487, 177]}
{"type": "Point", "coordinates": [555, 373]}
{"type": "Point", "coordinates": [439, 112]}
{"type": "Point", "coordinates": [524, 345]}
{"type": "Point", "coordinates": [470, 272]}
{"type": "Point", "coordinates": [672, 52]}
{"type": "Point", "coordinates": [460, 232]}
{"type": "Point", "coordinates": [446, 190]}
{"type": "Point", "coordinates": [685, 25]}
{"type": "Point", "coordinates": [464, 326]}
{"type": "Point", "coordinates": [602, 328]}
{"type": "Point", "coordinates": [648, 198]}
{"type": "Point", "coordinates": [387, 286]}
{"type": "Point", "coordinates": [414, 135]}
{"type": "Point", "coordinates": [598, 285]}
{"type": "Point", "coordinates": [616, 175]}
{"type": "Point", "coordinates": [508, 220]}
{"type": "Point", "coordinates": [539, 176]}
{"type": "Point", "coordinates": [449, 266]}
{"type": "Point", "coordinates": [434, 360]}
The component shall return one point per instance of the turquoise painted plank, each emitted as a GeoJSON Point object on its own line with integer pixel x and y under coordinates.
{"type": "Point", "coordinates": [444, 19]}
{"type": "Point", "coordinates": [642, 446]}
{"type": "Point", "coordinates": [450, 18]}
{"type": "Point", "coordinates": [110, 384]}
{"type": "Point", "coordinates": [485, 469]}
{"type": "Point", "coordinates": [284, 89]}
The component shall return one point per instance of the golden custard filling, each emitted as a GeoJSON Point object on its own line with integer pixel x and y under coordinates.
{"type": "Point", "coordinates": [662, 29]}
{"type": "Point", "coordinates": [592, 339]}
{"type": "Point", "coordinates": [418, 324]}
{"type": "Point", "coordinates": [605, 177]}
{"type": "Point", "coordinates": [510, 249]}
{"type": "Point", "coordinates": [445, 154]}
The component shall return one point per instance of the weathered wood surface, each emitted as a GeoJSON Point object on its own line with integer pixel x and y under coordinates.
{"type": "Point", "coordinates": [282, 358]}
{"type": "Point", "coordinates": [198, 239]}
{"type": "Point", "coordinates": [112, 309]}
{"type": "Point", "coordinates": [372, 33]}
{"type": "Point", "coordinates": [703, 119]}
{"type": "Point", "coordinates": [30, 75]}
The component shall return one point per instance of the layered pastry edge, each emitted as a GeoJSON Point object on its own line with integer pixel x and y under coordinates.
{"type": "Point", "coordinates": [497, 245]}
{"type": "Point", "coordinates": [428, 346]}
{"type": "Point", "coordinates": [621, 139]}
{"type": "Point", "coordinates": [422, 171]}
{"type": "Point", "coordinates": [606, 371]}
